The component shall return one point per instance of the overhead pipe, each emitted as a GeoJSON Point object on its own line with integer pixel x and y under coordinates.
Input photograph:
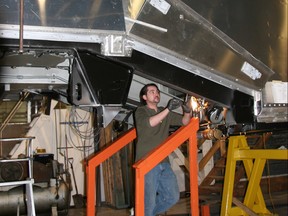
{"type": "Point", "coordinates": [21, 26]}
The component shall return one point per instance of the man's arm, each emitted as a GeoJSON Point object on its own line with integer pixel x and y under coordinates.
{"type": "Point", "coordinates": [158, 118]}
{"type": "Point", "coordinates": [186, 118]}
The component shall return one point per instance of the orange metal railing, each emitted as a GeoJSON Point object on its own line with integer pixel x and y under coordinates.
{"type": "Point", "coordinates": [96, 161]}
{"type": "Point", "coordinates": [146, 164]}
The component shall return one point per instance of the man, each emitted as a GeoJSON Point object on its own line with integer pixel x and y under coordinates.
{"type": "Point", "coordinates": [152, 125]}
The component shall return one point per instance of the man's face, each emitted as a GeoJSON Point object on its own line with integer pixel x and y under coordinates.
{"type": "Point", "coordinates": [152, 96]}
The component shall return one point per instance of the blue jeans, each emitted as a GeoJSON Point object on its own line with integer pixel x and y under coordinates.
{"type": "Point", "coordinates": [161, 189]}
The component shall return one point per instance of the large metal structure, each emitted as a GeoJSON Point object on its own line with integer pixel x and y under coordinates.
{"type": "Point", "coordinates": [99, 53]}
{"type": "Point", "coordinates": [216, 51]}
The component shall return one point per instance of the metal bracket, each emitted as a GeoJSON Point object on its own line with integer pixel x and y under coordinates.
{"type": "Point", "coordinates": [116, 45]}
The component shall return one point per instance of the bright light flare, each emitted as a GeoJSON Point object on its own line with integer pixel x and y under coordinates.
{"type": "Point", "coordinates": [194, 103]}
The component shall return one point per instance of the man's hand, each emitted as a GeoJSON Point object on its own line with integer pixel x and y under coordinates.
{"type": "Point", "coordinates": [173, 104]}
{"type": "Point", "coordinates": [187, 107]}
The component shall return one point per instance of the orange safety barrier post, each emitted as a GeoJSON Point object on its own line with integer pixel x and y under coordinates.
{"type": "Point", "coordinates": [96, 160]}
{"type": "Point", "coordinates": [205, 210]}
{"type": "Point", "coordinates": [143, 166]}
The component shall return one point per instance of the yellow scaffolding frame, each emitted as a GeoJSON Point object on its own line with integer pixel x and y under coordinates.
{"type": "Point", "coordinates": [254, 162]}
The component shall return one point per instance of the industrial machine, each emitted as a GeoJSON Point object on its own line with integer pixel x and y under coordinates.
{"type": "Point", "coordinates": [98, 54]}
{"type": "Point", "coordinates": [50, 184]}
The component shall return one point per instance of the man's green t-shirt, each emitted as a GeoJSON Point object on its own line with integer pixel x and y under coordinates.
{"type": "Point", "coordinates": [150, 137]}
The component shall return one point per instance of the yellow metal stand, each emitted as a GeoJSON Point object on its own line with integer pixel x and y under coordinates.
{"type": "Point", "coordinates": [254, 162]}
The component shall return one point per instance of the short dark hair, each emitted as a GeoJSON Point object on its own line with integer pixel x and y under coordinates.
{"type": "Point", "coordinates": [144, 90]}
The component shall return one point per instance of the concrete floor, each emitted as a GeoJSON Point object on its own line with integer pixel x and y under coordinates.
{"type": "Point", "coordinates": [182, 208]}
